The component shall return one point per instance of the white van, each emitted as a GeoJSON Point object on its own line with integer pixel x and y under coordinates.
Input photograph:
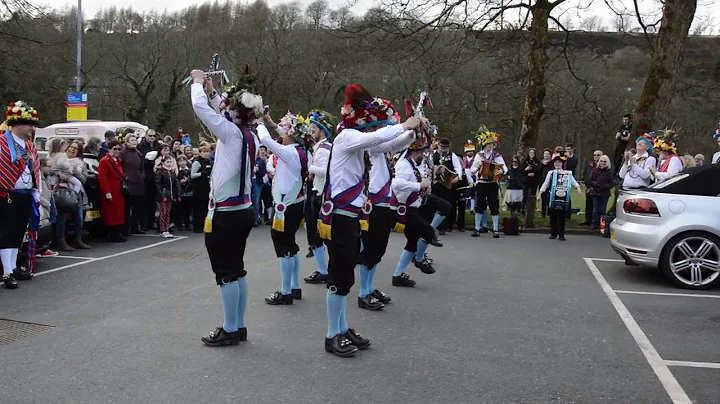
{"type": "Point", "coordinates": [83, 131]}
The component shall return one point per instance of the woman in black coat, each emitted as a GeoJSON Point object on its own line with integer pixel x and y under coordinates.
{"type": "Point", "coordinates": [599, 185]}
{"type": "Point", "coordinates": [134, 171]}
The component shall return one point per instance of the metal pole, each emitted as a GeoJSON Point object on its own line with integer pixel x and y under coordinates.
{"type": "Point", "coordinates": [78, 77]}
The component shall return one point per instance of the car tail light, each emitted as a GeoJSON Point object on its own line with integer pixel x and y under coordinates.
{"type": "Point", "coordinates": [641, 207]}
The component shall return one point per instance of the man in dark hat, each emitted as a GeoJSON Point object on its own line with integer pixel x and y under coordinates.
{"type": "Point", "coordinates": [109, 136]}
{"type": "Point", "coordinates": [452, 168]}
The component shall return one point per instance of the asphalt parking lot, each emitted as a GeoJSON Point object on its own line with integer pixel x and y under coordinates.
{"type": "Point", "coordinates": [515, 320]}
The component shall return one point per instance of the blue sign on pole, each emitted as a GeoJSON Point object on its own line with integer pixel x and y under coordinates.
{"type": "Point", "coordinates": [77, 98]}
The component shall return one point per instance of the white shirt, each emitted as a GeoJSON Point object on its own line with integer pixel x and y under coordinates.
{"type": "Point", "coordinates": [347, 164]}
{"type": "Point", "coordinates": [482, 156]}
{"type": "Point", "coordinates": [379, 174]}
{"type": "Point", "coordinates": [319, 165]}
{"type": "Point", "coordinates": [225, 177]}
{"type": "Point", "coordinates": [405, 181]}
{"type": "Point", "coordinates": [289, 169]}
{"type": "Point", "coordinates": [457, 165]}
{"type": "Point", "coordinates": [637, 175]}
{"type": "Point", "coordinates": [674, 167]}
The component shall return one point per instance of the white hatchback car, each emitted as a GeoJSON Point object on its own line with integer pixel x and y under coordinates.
{"type": "Point", "coordinates": [673, 226]}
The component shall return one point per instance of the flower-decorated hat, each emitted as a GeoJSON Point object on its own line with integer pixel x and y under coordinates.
{"type": "Point", "coordinates": [420, 142]}
{"type": "Point", "coordinates": [296, 127]}
{"type": "Point", "coordinates": [361, 110]}
{"type": "Point", "coordinates": [559, 157]}
{"type": "Point", "coordinates": [665, 141]}
{"type": "Point", "coordinates": [716, 136]}
{"type": "Point", "coordinates": [469, 146]}
{"type": "Point", "coordinates": [648, 138]}
{"type": "Point", "coordinates": [20, 113]}
{"type": "Point", "coordinates": [485, 137]}
{"type": "Point", "coordinates": [324, 121]}
{"type": "Point", "coordinates": [241, 102]}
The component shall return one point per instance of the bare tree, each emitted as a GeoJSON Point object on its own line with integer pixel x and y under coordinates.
{"type": "Point", "coordinates": [316, 12]}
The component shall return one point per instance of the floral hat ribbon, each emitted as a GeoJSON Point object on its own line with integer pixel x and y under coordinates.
{"type": "Point", "coordinates": [324, 121]}
{"type": "Point", "coordinates": [361, 110]}
{"type": "Point", "coordinates": [20, 113]}
{"type": "Point", "coordinates": [485, 137]}
{"type": "Point", "coordinates": [297, 127]}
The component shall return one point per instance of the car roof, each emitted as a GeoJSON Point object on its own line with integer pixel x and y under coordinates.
{"type": "Point", "coordinates": [700, 181]}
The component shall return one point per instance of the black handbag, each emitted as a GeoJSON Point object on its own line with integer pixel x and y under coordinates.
{"type": "Point", "coordinates": [65, 198]}
{"type": "Point", "coordinates": [123, 183]}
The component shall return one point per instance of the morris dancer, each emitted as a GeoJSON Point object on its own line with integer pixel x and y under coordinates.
{"type": "Point", "coordinates": [489, 167]}
{"type": "Point", "coordinates": [559, 182]}
{"type": "Point", "coordinates": [230, 215]}
{"type": "Point", "coordinates": [289, 198]}
{"type": "Point", "coordinates": [670, 162]}
{"type": "Point", "coordinates": [347, 178]}
{"type": "Point", "coordinates": [323, 127]}
{"type": "Point", "coordinates": [381, 223]}
{"type": "Point", "coordinates": [446, 158]}
{"type": "Point", "coordinates": [19, 190]}
{"type": "Point", "coordinates": [410, 188]}
{"type": "Point", "coordinates": [468, 160]}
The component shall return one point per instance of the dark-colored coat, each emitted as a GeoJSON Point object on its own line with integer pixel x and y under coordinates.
{"type": "Point", "coordinates": [532, 182]}
{"type": "Point", "coordinates": [110, 177]}
{"type": "Point", "coordinates": [514, 178]}
{"type": "Point", "coordinates": [600, 182]}
{"type": "Point", "coordinates": [134, 168]}
{"type": "Point", "coordinates": [166, 185]}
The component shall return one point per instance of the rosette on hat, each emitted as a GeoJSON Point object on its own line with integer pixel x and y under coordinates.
{"type": "Point", "coordinates": [361, 110]}
{"type": "Point", "coordinates": [324, 121]}
{"type": "Point", "coordinates": [20, 113]}
{"type": "Point", "coordinates": [469, 146]}
{"type": "Point", "coordinates": [665, 140]}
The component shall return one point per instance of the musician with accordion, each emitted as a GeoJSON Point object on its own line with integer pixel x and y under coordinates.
{"type": "Point", "coordinates": [448, 173]}
{"type": "Point", "coordinates": [489, 168]}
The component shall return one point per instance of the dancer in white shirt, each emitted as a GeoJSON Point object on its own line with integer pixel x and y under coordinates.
{"type": "Point", "coordinates": [670, 163]}
{"type": "Point", "coordinates": [489, 167]}
{"type": "Point", "coordinates": [369, 122]}
{"type": "Point", "coordinates": [288, 197]}
{"type": "Point", "coordinates": [323, 127]}
{"type": "Point", "coordinates": [230, 215]}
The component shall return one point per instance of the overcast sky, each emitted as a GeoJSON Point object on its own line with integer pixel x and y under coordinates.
{"type": "Point", "coordinates": [706, 8]}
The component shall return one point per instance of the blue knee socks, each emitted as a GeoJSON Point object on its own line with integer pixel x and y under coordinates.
{"type": "Point", "coordinates": [422, 246]}
{"type": "Point", "coordinates": [371, 278]}
{"type": "Point", "coordinates": [295, 275]}
{"type": "Point", "coordinates": [242, 301]}
{"type": "Point", "coordinates": [405, 259]}
{"type": "Point", "coordinates": [484, 220]}
{"type": "Point", "coordinates": [495, 219]}
{"type": "Point", "coordinates": [319, 254]}
{"type": "Point", "coordinates": [334, 312]}
{"type": "Point", "coordinates": [343, 325]}
{"type": "Point", "coordinates": [478, 220]}
{"type": "Point", "coordinates": [364, 277]}
{"type": "Point", "coordinates": [286, 265]}
{"type": "Point", "coordinates": [230, 294]}
{"type": "Point", "coordinates": [437, 219]}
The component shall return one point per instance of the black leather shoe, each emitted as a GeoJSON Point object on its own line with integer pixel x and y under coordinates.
{"type": "Point", "coordinates": [22, 274]}
{"type": "Point", "coordinates": [475, 233]}
{"type": "Point", "coordinates": [341, 346]}
{"type": "Point", "coordinates": [370, 303]}
{"type": "Point", "coordinates": [384, 299]}
{"type": "Point", "coordinates": [316, 277]}
{"type": "Point", "coordinates": [403, 281]}
{"type": "Point", "coordinates": [297, 294]}
{"type": "Point", "coordinates": [496, 234]}
{"type": "Point", "coordinates": [357, 339]}
{"type": "Point", "coordinates": [425, 266]}
{"type": "Point", "coordinates": [220, 337]}
{"type": "Point", "coordinates": [278, 299]}
{"type": "Point", "coordinates": [10, 282]}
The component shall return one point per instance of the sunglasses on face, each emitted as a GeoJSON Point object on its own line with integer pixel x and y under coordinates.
{"type": "Point", "coordinates": [597, 155]}
{"type": "Point", "coordinates": [116, 149]}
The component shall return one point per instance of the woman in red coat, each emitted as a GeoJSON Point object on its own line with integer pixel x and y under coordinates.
{"type": "Point", "coordinates": [112, 200]}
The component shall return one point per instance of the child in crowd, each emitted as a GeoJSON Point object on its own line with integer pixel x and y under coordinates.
{"type": "Point", "coordinates": [167, 187]}
{"type": "Point", "coordinates": [181, 210]}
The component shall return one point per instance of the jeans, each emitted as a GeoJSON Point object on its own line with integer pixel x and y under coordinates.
{"type": "Point", "coordinates": [599, 206]}
{"type": "Point", "coordinates": [62, 222]}
{"type": "Point", "coordinates": [256, 194]}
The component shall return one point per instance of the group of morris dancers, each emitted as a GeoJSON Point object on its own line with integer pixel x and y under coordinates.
{"type": "Point", "coordinates": [342, 180]}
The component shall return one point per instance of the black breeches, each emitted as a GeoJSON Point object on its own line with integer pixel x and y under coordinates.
{"type": "Point", "coordinates": [487, 196]}
{"type": "Point", "coordinates": [375, 239]}
{"type": "Point", "coordinates": [226, 244]}
{"type": "Point", "coordinates": [344, 250]}
{"type": "Point", "coordinates": [416, 228]}
{"type": "Point", "coordinates": [284, 241]}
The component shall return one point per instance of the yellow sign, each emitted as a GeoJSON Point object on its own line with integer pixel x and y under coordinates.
{"type": "Point", "coordinates": [612, 235]}
{"type": "Point", "coordinates": [77, 113]}
{"type": "Point", "coordinates": [92, 215]}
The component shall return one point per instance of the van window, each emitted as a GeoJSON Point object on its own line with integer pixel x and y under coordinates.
{"type": "Point", "coordinates": [40, 143]}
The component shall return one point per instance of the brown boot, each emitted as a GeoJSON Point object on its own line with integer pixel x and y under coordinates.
{"type": "Point", "coordinates": [63, 246]}
{"type": "Point", "coordinates": [79, 245]}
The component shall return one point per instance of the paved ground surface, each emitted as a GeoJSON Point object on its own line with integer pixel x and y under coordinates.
{"type": "Point", "coordinates": [516, 320]}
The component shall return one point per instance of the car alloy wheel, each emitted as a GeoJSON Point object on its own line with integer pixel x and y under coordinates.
{"type": "Point", "coordinates": [693, 261]}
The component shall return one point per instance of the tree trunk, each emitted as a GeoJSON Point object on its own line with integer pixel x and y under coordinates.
{"type": "Point", "coordinates": [665, 63]}
{"type": "Point", "coordinates": [535, 92]}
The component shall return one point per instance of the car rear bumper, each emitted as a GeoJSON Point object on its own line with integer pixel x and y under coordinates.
{"type": "Point", "coordinates": [637, 243]}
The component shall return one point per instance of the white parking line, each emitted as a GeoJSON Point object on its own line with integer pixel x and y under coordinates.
{"type": "Point", "coordinates": [49, 271]}
{"type": "Point", "coordinates": [72, 257]}
{"type": "Point", "coordinates": [705, 365]}
{"type": "Point", "coordinates": [658, 365]}
{"type": "Point", "coordinates": [605, 259]}
{"type": "Point", "coordinates": [637, 292]}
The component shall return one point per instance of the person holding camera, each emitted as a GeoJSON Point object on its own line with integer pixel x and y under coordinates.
{"type": "Point", "coordinates": [200, 177]}
{"type": "Point", "coordinates": [622, 137]}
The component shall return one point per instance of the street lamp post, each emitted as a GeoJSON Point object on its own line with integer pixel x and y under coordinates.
{"type": "Point", "coordinates": [78, 78]}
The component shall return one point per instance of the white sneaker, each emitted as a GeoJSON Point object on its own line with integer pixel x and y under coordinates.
{"type": "Point", "coordinates": [167, 235]}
